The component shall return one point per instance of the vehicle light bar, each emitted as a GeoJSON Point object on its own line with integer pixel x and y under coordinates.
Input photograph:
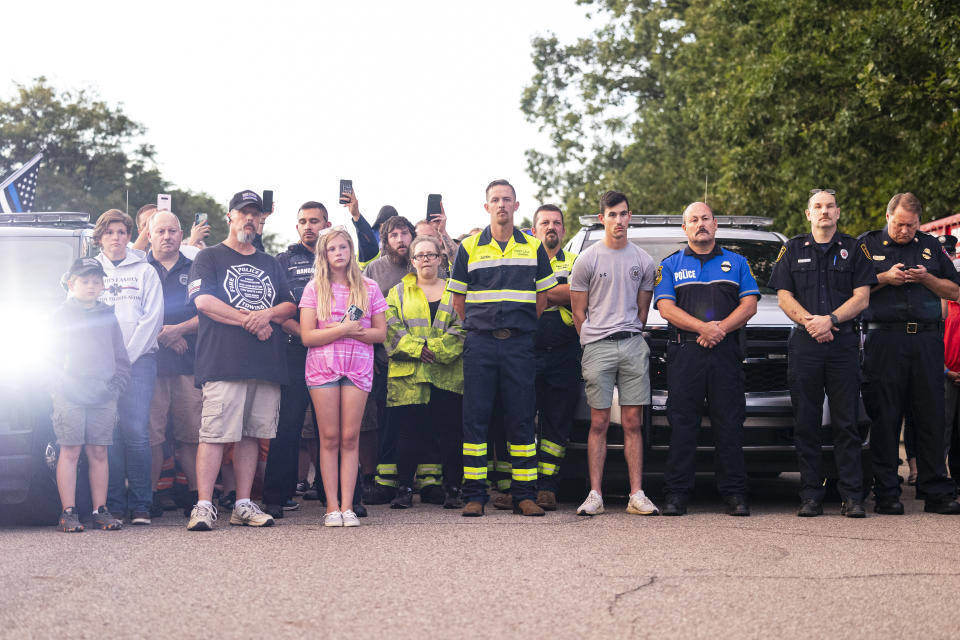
{"type": "Point", "coordinates": [676, 220]}
{"type": "Point", "coordinates": [46, 218]}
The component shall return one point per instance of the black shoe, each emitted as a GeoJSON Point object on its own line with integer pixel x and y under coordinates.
{"type": "Point", "coordinates": [674, 506]}
{"type": "Point", "coordinates": [227, 501]}
{"type": "Point", "coordinates": [379, 494]}
{"type": "Point", "coordinates": [810, 508]}
{"type": "Point", "coordinates": [302, 487]}
{"type": "Point", "coordinates": [314, 492]}
{"type": "Point", "coordinates": [360, 510]}
{"type": "Point", "coordinates": [156, 507]}
{"type": "Point", "coordinates": [290, 505]}
{"type": "Point", "coordinates": [432, 494]}
{"type": "Point", "coordinates": [890, 507]}
{"type": "Point", "coordinates": [194, 497]}
{"type": "Point", "coordinates": [453, 498]}
{"type": "Point", "coordinates": [853, 509]}
{"type": "Point", "coordinates": [737, 506]}
{"type": "Point", "coordinates": [945, 506]}
{"type": "Point", "coordinates": [275, 510]}
{"type": "Point", "coordinates": [403, 499]}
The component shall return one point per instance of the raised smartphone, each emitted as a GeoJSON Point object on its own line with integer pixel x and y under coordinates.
{"type": "Point", "coordinates": [433, 205]}
{"type": "Point", "coordinates": [163, 201]}
{"type": "Point", "coordinates": [267, 201]}
{"type": "Point", "coordinates": [346, 186]}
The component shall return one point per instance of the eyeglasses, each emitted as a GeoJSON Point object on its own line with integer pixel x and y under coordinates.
{"type": "Point", "coordinates": [324, 232]}
{"type": "Point", "coordinates": [420, 257]}
{"type": "Point", "coordinates": [814, 192]}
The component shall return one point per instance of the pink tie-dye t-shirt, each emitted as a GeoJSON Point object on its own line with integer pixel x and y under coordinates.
{"type": "Point", "coordinates": [346, 356]}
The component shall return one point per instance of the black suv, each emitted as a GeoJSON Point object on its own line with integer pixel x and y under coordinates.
{"type": "Point", "coordinates": [36, 249]}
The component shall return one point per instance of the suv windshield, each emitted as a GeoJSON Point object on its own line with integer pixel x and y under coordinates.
{"type": "Point", "coordinates": [760, 254]}
{"type": "Point", "coordinates": [32, 268]}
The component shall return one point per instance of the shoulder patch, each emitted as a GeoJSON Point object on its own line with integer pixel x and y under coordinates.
{"type": "Point", "coordinates": [866, 252]}
{"type": "Point", "coordinates": [659, 275]}
{"type": "Point", "coordinates": [783, 250]}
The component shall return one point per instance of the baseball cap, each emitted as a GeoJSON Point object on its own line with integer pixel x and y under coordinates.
{"type": "Point", "coordinates": [245, 197]}
{"type": "Point", "coordinates": [86, 267]}
{"type": "Point", "coordinates": [949, 243]}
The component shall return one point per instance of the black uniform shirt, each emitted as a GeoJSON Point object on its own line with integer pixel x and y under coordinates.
{"type": "Point", "coordinates": [821, 279]}
{"type": "Point", "coordinates": [911, 302]}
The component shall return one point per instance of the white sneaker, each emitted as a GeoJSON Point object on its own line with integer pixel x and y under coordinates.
{"type": "Point", "coordinates": [640, 505]}
{"type": "Point", "coordinates": [350, 519]}
{"type": "Point", "coordinates": [202, 517]}
{"type": "Point", "coordinates": [333, 519]}
{"type": "Point", "coordinates": [248, 514]}
{"type": "Point", "coordinates": [592, 506]}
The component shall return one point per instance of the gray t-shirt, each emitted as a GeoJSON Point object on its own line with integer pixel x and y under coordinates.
{"type": "Point", "coordinates": [386, 273]}
{"type": "Point", "coordinates": [612, 278]}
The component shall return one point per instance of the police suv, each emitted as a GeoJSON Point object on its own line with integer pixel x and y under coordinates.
{"type": "Point", "coordinates": [36, 249]}
{"type": "Point", "coordinates": [768, 428]}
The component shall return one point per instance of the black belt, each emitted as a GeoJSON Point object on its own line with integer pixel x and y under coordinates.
{"type": "Point", "coordinates": [502, 334]}
{"type": "Point", "coordinates": [621, 335]}
{"type": "Point", "coordinates": [904, 327]}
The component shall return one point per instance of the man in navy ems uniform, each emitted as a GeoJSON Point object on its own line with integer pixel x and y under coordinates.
{"type": "Point", "coordinates": [903, 355]}
{"type": "Point", "coordinates": [297, 262]}
{"type": "Point", "coordinates": [706, 294]}
{"type": "Point", "coordinates": [558, 359]}
{"type": "Point", "coordinates": [499, 284]}
{"type": "Point", "coordinates": [823, 283]}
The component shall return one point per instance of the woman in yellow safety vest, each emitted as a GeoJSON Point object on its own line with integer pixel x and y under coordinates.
{"type": "Point", "coordinates": [425, 379]}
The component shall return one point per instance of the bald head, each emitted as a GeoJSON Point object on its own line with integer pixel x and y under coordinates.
{"type": "Point", "coordinates": [698, 209]}
{"type": "Point", "coordinates": [163, 217]}
{"type": "Point", "coordinates": [165, 235]}
{"type": "Point", "coordinates": [700, 227]}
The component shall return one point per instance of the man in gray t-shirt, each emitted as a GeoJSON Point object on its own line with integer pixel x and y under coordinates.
{"type": "Point", "coordinates": [610, 291]}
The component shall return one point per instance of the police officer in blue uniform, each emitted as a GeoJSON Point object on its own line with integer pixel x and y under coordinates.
{"type": "Point", "coordinates": [297, 262]}
{"type": "Point", "coordinates": [903, 355]}
{"type": "Point", "coordinates": [706, 294]}
{"type": "Point", "coordinates": [823, 283]}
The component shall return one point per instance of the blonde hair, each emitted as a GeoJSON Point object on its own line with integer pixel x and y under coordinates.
{"type": "Point", "coordinates": [321, 275]}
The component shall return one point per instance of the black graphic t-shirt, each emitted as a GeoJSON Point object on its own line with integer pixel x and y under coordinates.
{"type": "Point", "coordinates": [252, 282]}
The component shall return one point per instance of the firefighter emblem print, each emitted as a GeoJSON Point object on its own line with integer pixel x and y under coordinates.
{"type": "Point", "coordinates": [249, 288]}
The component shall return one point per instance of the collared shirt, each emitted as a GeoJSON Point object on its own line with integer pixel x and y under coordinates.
{"type": "Point", "coordinates": [708, 286]}
{"type": "Point", "coordinates": [821, 280]}
{"type": "Point", "coordinates": [501, 285]}
{"type": "Point", "coordinates": [555, 326]}
{"type": "Point", "coordinates": [912, 302]}
{"type": "Point", "coordinates": [176, 309]}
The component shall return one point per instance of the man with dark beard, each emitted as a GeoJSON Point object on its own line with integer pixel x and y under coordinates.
{"type": "Point", "coordinates": [396, 234]}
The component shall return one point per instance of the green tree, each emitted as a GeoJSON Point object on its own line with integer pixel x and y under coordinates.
{"type": "Point", "coordinates": [94, 156]}
{"type": "Point", "coordinates": [764, 98]}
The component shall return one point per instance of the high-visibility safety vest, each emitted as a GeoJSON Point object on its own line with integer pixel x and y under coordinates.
{"type": "Point", "coordinates": [409, 330]}
{"type": "Point", "coordinates": [501, 285]}
{"type": "Point", "coordinates": [562, 265]}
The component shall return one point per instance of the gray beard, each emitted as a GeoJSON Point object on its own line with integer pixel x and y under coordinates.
{"type": "Point", "coordinates": [246, 237]}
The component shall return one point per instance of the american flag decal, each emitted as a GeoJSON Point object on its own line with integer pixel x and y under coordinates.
{"type": "Point", "coordinates": [18, 192]}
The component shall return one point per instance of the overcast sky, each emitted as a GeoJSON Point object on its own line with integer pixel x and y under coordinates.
{"type": "Point", "coordinates": [405, 99]}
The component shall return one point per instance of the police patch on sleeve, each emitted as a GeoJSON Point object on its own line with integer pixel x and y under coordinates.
{"type": "Point", "coordinates": [659, 275]}
{"type": "Point", "coordinates": [783, 250]}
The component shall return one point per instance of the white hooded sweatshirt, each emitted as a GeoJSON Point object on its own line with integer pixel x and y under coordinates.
{"type": "Point", "coordinates": [134, 291]}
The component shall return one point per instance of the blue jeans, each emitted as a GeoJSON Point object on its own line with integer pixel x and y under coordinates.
{"type": "Point", "coordinates": [129, 456]}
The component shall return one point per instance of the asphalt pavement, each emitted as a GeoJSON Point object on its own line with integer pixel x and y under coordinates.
{"type": "Point", "coordinates": [430, 573]}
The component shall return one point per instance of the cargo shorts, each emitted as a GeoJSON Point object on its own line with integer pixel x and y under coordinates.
{"type": "Point", "coordinates": [236, 409]}
{"type": "Point", "coordinates": [76, 425]}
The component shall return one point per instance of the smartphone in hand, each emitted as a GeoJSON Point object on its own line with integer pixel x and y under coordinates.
{"type": "Point", "coordinates": [267, 201]}
{"type": "Point", "coordinates": [199, 219]}
{"type": "Point", "coordinates": [163, 201]}
{"type": "Point", "coordinates": [353, 313]}
{"type": "Point", "coordinates": [433, 206]}
{"type": "Point", "coordinates": [346, 186]}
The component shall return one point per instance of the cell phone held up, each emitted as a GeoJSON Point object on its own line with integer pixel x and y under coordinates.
{"type": "Point", "coordinates": [353, 313]}
{"type": "Point", "coordinates": [199, 219]}
{"type": "Point", "coordinates": [433, 206]}
{"type": "Point", "coordinates": [346, 186]}
{"type": "Point", "coordinates": [268, 201]}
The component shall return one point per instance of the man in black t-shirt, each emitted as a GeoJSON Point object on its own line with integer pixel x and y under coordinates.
{"type": "Point", "coordinates": [242, 298]}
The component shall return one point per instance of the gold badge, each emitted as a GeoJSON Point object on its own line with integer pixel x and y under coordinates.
{"type": "Point", "coordinates": [866, 252]}
{"type": "Point", "coordinates": [659, 276]}
{"type": "Point", "coordinates": [926, 254]}
{"type": "Point", "coordinates": [783, 250]}
{"type": "Point", "coordinates": [725, 266]}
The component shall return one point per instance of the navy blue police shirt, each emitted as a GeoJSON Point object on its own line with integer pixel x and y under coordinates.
{"type": "Point", "coordinates": [298, 264]}
{"type": "Point", "coordinates": [176, 309]}
{"type": "Point", "coordinates": [821, 279]}
{"type": "Point", "coordinates": [707, 286]}
{"type": "Point", "coordinates": [252, 282]}
{"type": "Point", "coordinates": [911, 302]}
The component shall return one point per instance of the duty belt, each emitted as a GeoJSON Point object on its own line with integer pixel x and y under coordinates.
{"type": "Point", "coordinates": [501, 334]}
{"type": "Point", "coordinates": [904, 327]}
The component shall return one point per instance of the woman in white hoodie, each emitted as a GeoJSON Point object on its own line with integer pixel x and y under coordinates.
{"type": "Point", "coordinates": [133, 289]}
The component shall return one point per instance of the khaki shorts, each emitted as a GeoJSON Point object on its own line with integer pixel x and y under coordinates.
{"type": "Point", "coordinates": [76, 425]}
{"type": "Point", "coordinates": [235, 409]}
{"type": "Point", "coordinates": [179, 398]}
{"type": "Point", "coordinates": [625, 363]}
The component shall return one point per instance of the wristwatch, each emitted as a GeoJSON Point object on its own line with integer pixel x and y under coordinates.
{"type": "Point", "coordinates": [834, 320]}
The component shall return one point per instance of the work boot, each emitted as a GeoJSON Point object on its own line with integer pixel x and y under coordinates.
{"type": "Point", "coordinates": [547, 500]}
{"type": "Point", "coordinates": [403, 499]}
{"type": "Point", "coordinates": [453, 498]}
{"type": "Point", "coordinates": [379, 494]}
{"type": "Point", "coordinates": [503, 502]}
{"type": "Point", "coordinates": [432, 494]}
{"type": "Point", "coordinates": [528, 507]}
{"type": "Point", "coordinates": [810, 508]}
{"type": "Point", "coordinates": [737, 505]}
{"type": "Point", "coordinates": [474, 509]}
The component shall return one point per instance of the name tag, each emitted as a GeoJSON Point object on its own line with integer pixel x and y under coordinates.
{"type": "Point", "coordinates": [802, 260]}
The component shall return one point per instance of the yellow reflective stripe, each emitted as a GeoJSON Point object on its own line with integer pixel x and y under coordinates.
{"type": "Point", "coordinates": [503, 485]}
{"type": "Point", "coordinates": [503, 467]}
{"type": "Point", "coordinates": [523, 450]}
{"type": "Point", "coordinates": [497, 262]}
{"type": "Point", "coordinates": [490, 466]}
{"type": "Point", "coordinates": [386, 482]}
{"type": "Point", "coordinates": [456, 286]}
{"type": "Point", "coordinates": [547, 468]}
{"type": "Point", "coordinates": [428, 481]}
{"type": "Point", "coordinates": [470, 449]}
{"type": "Point", "coordinates": [428, 469]}
{"type": "Point", "coordinates": [552, 448]}
{"type": "Point", "coordinates": [387, 469]}
{"type": "Point", "coordinates": [545, 283]}
{"type": "Point", "coordinates": [524, 475]}
{"type": "Point", "coordinates": [475, 473]}
{"type": "Point", "coordinates": [502, 295]}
